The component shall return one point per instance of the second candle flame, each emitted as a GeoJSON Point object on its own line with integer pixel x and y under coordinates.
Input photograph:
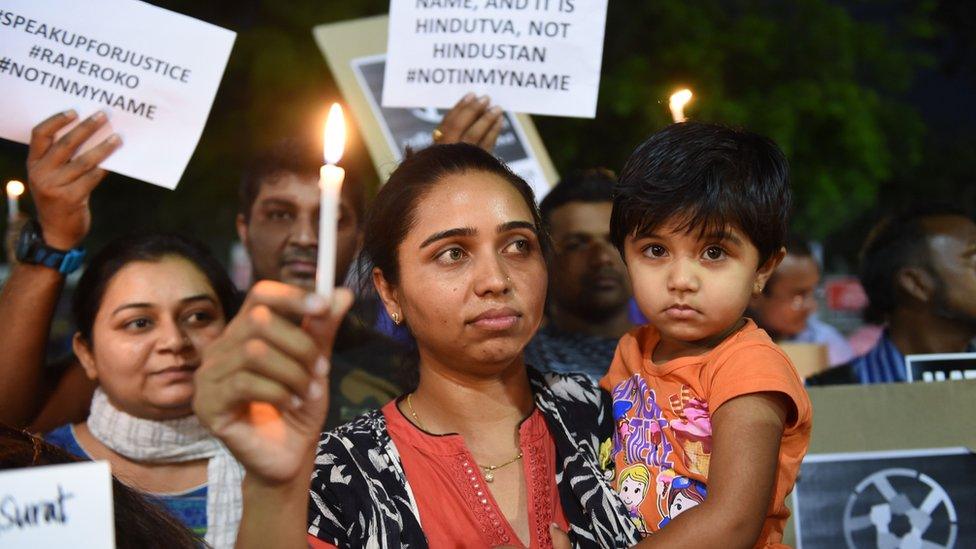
{"type": "Point", "coordinates": [334, 139]}
{"type": "Point", "coordinates": [15, 188]}
{"type": "Point", "coordinates": [677, 104]}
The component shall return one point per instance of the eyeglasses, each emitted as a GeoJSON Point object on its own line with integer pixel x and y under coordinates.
{"type": "Point", "coordinates": [799, 300]}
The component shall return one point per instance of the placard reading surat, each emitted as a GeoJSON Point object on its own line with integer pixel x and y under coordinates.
{"type": "Point", "coordinates": [57, 506]}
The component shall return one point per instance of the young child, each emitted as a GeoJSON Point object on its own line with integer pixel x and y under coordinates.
{"type": "Point", "coordinates": [702, 397]}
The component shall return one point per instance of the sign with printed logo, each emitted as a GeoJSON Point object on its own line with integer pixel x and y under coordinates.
{"type": "Point", "coordinates": [412, 128]}
{"type": "Point", "coordinates": [355, 51]}
{"type": "Point", "coordinates": [891, 499]}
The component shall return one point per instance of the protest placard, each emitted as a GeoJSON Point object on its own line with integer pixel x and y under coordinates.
{"type": "Point", "coordinates": [900, 498]}
{"type": "Point", "coordinates": [882, 418]}
{"type": "Point", "coordinates": [355, 50]}
{"type": "Point", "coordinates": [940, 367]}
{"type": "Point", "coordinates": [152, 71]}
{"type": "Point", "coordinates": [413, 128]}
{"type": "Point", "coordinates": [57, 506]}
{"type": "Point", "coordinates": [531, 56]}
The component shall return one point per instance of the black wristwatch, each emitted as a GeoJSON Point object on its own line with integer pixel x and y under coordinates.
{"type": "Point", "coordinates": [32, 250]}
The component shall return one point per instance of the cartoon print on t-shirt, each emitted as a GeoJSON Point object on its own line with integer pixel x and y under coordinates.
{"type": "Point", "coordinates": [677, 494]}
{"type": "Point", "coordinates": [606, 459]}
{"type": "Point", "coordinates": [692, 429]}
{"type": "Point", "coordinates": [662, 416]}
{"type": "Point", "coordinates": [640, 436]}
{"type": "Point", "coordinates": [633, 485]}
{"type": "Point", "coordinates": [621, 423]}
{"type": "Point", "coordinates": [647, 435]}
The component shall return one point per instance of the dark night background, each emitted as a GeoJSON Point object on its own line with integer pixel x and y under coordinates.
{"type": "Point", "coordinates": [870, 100]}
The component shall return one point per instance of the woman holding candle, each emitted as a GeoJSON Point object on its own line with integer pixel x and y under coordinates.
{"type": "Point", "coordinates": [471, 457]}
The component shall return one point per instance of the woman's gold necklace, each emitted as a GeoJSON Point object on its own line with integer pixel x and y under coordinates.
{"type": "Point", "coordinates": [489, 470]}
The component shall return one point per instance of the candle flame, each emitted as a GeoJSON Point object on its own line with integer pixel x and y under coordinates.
{"type": "Point", "coordinates": [334, 137]}
{"type": "Point", "coordinates": [680, 98]}
{"type": "Point", "coordinates": [15, 188]}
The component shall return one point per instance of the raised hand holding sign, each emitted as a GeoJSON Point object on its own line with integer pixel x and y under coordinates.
{"type": "Point", "coordinates": [119, 57]}
{"type": "Point", "coordinates": [61, 182]}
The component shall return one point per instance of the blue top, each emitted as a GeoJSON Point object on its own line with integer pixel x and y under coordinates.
{"type": "Point", "coordinates": [553, 350]}
{"type": "Point", "coordinates": [885, 363]}
{"type": "Point", "coordinates": [189, 507]}
{"type": "Point", "coordinates": [817, 331]}
{"type": "Point", "coordinates": [882, 364]}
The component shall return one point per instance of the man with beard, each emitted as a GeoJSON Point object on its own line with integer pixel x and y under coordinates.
{"type": "Point", "coordinates": [278, 215]}
{"type": "Point", "coordinates": [278, 223]}
{"type": "Point", "coordinates": [919, 272]}
{"type": "Point", "coordinates": [589, 290]}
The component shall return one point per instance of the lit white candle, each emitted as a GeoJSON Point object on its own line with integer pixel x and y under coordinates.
{"type": "Point", "coordinates": [330, 185]}
{"type": "Point", "coordinates": [14, 190]}
{"type": "Point", "coordinates": [678, 101]}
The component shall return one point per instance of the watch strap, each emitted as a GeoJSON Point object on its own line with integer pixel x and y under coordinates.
{"type": "Point", "coordinates": [63, 262]}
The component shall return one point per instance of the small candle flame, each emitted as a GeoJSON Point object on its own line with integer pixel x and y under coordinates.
{"type": "Point", "coordinates": [15, 188]}
{"type": "Point", "coordinates": [679, 99]}
{"type": "Point", "coordinates": [334, 137]}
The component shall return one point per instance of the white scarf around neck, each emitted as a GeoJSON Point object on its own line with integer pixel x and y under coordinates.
{"type": "Point", "coordinates": [176, 441]}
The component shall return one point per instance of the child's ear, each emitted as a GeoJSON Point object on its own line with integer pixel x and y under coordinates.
{"type": "Point", "coordinates": [767, 269]}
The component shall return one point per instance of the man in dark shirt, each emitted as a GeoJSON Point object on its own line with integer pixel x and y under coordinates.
{"type": "Point", "coordinates": [589, 290]}
{"type": "Point", "coordinates": [919, 272]}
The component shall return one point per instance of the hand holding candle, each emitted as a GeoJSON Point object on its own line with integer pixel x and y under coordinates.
{"type": "Point", "coordinates": [330, 185]}
{"type": "Point", "coordinates": [678, 101]}
{"type": "Point", "coordinates": [14, 190]}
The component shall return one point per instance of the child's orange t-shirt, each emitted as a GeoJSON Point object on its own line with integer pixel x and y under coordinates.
{"type": "Point", "coordinates": [662, 439]}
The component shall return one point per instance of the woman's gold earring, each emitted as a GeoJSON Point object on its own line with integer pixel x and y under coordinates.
{"type": "Point", "coordinates": [396, 318]}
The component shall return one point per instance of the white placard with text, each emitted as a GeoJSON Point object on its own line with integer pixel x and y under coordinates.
{"type": "Point", "coordinates": [531, 56]}
{"type": "Point", "coordinates": [152, 71]}
{"type": "Point", "coordinates": [57, 506]}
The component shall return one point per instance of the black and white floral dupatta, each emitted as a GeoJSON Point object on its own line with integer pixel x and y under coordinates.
{"type": "Point", "coordinates": [360, 496]}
